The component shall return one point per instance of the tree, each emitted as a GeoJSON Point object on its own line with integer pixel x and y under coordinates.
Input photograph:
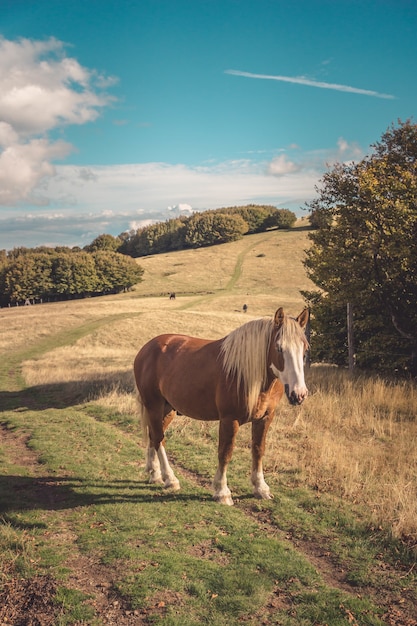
{"type": "Point", "coordinates": [115, 272]}
{"type": "Point", "coordinates": [210, 228]}
{"type": "Point", "coordinates": [74, 275]}
{"type": "Point", "coordinates": [280, 218]}
{"type": "Point", "coordinates": [104, 242]}
{"type": "Point", "coordinates": [19, 279]}
{"type": "Point", "coordinates": [365, 247]}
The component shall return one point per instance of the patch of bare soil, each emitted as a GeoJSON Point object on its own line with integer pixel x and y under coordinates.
{"type": "Point", "coordinates": [96, 581]}
{"type": "Point", "coordinates": [16, 446]}
{"type": "Point", "coordinates": [28, 602]}
{"type": "Point", "coordinates": [208, 550]}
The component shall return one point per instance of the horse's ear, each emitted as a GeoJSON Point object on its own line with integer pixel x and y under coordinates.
{"type": "Point", "coordinates": [303, 318]}
{"type": "Point", "coordinates": [279, 317]}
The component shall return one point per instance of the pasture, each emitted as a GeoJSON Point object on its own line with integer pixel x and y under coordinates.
{"type": "Point", "coordinates": [84, 539]}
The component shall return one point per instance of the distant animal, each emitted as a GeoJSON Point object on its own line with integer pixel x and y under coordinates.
{"type": "Point", "coordinates": [237, 379]}
{"type": "Point", "coordinates": [245, 308]}
{"type": "Point", "coordinates": [172, 296]}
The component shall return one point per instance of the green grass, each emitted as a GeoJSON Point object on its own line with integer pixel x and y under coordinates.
{"type": "Point", "coordinates": [219, 563]}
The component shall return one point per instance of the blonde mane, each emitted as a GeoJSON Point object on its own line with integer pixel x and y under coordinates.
{"type": "Point", "coordinates": [244, 352]}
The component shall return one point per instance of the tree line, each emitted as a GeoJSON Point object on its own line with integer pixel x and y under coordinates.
{"type": "Point", "coordinates": [364, 252]}
{"type": "Point", "coordinates": [48, 274]}
{"type": "Point", "coordinates": [206, 228]}
{"type": "Point", "coordinates": [107, 265]}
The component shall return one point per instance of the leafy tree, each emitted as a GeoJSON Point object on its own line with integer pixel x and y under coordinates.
{"type": "Point", "coordinates": [280, 218]}
{"type": "Point", "coordinates": [115, 272]}
{"type": "Point", "coordinates": [254, 216]}
{"type": "Point", "coordinates": [210, 228]}
{"type": "Point", "coordinates": [104, 242]}
{"type": "Point", "coordinates": [44, 286]}
{"type": "Point", "coordinates": [261, 217]}
{"type": "Point", "coordinates": [75, 275]}
{"type": "Point", "coordinates": [365, 248]}
{"type": "Point", "coordinates": [19, 279]}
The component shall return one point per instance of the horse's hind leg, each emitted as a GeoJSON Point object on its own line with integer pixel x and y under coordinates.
{"type": "Point", "coordinates": [153, 467]}
{"type": "Point", "coordinates": [157, 461]}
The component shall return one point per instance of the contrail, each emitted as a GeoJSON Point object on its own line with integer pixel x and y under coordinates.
{"type": "Point", "coordinates": [300, 80]}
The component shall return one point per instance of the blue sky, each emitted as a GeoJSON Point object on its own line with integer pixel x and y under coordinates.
{"type": "Point", "coordinates": [116, 113]}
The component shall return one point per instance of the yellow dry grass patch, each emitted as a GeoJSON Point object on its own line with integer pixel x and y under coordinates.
{"type": "Point", "coordinates": [263, 271]}
{"type": "Point", "coordinates": [356, 438]}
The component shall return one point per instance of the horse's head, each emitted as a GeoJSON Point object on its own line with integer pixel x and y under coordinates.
{"type": "Point", "coordinates": [288, 347]}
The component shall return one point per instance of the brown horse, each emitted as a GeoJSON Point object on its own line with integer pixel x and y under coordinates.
{"type": "Point", "coordinates": [237, 379]}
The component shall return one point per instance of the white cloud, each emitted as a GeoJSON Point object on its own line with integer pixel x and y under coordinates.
{"type": "Point", "coordinates": [281, 165]}
{"type": "Point", "coordinates": [181, 209]}
{"type": "Point", "coordinates": [41, 89]}
{"type": "Point", "coordinates": [302, 80]}
{"type": "Point", "coordinates": [24, 165]}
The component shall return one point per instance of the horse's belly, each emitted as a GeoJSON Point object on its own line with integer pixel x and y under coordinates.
{"type": "Point", "coordinates": [197, 410]}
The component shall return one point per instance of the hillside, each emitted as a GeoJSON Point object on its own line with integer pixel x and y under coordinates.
{"type": "Point", "coordinates": [263, 271]}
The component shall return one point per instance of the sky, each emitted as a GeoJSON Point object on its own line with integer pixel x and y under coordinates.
{"type": "Point", "coordinates": [118, 113]}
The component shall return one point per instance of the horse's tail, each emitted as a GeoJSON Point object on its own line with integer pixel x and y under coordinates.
{"type": "Point", "coordinates": [144, 420]}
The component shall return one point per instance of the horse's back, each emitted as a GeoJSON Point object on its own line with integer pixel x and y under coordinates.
{"type": "Point", "coordinates": [182, 370]}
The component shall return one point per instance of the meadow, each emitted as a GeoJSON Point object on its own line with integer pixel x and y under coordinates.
{"type": "Point", "coordinates": [86, 540]}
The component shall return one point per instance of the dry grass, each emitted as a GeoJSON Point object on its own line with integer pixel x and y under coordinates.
{"type": "Point", "coordinates": [263, 271]}
{"type": "Point", "coordinates": [354, 437]}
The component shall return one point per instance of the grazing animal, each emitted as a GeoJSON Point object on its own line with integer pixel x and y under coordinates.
{"type": "Point", "coordinates": [237, 379]}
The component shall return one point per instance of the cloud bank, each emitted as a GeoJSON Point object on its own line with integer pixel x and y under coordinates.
{"type": "Point", "coordinates": [85, 202]}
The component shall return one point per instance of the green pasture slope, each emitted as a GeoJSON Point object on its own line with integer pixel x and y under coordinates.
{"type": "Point", "coordinates": [85, 540]}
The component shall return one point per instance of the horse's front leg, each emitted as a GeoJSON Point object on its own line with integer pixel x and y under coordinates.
{"type": "Point", "coordinates": [227, 434]}
{"type": "Point", "coordinates": [259, 430]}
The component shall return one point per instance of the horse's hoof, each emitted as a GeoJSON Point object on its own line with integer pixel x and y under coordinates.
{"type": "Point", "coordinates": [174, 485]}
{"type": "Point", "coordinates": [224, 500]}
{"type": "Point", "coordinates": [263, 495]}
{"type": "Point", "coordinates": [155, 479]}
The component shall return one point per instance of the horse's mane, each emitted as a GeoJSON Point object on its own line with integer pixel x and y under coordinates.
{"type": "Point", "coordinates": [244, 352]}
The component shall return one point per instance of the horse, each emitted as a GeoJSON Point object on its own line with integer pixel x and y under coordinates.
{"type": "Point", "coordinates": [237, 379]}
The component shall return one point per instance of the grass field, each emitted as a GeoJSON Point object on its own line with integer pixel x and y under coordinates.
{"type": "Point", "coordinates": [84, 539]}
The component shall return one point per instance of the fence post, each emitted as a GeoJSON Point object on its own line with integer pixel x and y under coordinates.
{"type": "Point", "coordinates": [351, 348]}
{"type": "Point", "coordinates": [308, 337]}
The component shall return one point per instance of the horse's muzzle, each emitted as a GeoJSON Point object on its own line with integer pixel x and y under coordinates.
{"type": "Point", "coordinates": [295, 398]}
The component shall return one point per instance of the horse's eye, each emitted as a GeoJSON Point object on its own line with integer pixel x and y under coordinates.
{"type": "Point", "coordinates": [279, 349]}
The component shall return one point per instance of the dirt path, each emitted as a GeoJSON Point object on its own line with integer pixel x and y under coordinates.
{"type": "Point", "coordinates": [31, 602]}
